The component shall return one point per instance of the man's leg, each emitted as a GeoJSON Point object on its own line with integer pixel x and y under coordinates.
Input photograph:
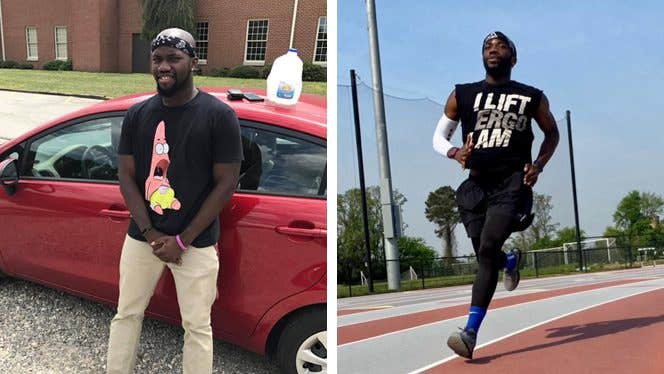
{"type": "Point", "coordinates": [196, 284]}
{"type": "Point", "coordinates": [139, 273]}
{"type": "Point", "coordinates": [490, 257]}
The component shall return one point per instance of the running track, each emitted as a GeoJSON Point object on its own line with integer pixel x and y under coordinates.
{"type": "Point", "coordinates": [610, 322]}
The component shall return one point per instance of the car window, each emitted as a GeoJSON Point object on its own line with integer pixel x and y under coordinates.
{"type": "Point", "coordinates": [280, 164]}
{"type": "Point", "coordinates": [86, 150]}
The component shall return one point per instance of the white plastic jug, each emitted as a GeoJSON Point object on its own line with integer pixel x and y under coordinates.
{"type": "Point", "coordinates": [284, 84]}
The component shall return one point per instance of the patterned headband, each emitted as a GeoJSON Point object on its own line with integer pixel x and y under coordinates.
{"type": "Point", "coordinates": [173, 41]}
{"type": "Point", "coordinates": [499, 35]}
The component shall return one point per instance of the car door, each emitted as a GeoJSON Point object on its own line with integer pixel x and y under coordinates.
{"type": "Point", "coordinates": [273, 241]}
{"type": "Point", "coordinates": [65, 224]}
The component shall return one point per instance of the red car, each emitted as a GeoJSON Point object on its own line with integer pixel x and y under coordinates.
{"type": "Point", "coordinates": [63, 221]}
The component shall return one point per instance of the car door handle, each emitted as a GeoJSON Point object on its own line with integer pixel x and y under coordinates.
{"type": "Point", "coordinates": [297, 231]}
{"type": "Point", "coordinates": [115, 213]}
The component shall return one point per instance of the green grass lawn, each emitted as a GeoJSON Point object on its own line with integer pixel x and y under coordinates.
{"type": "Point", "coordinates": [109, 85]}
{"type": "Point", "coordinates": [457, 280]}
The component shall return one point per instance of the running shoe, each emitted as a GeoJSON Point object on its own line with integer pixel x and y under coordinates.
{"type": "Point", "coordinates": [511, 278]}
{"type": "Point", "coordinates": [463, 342]}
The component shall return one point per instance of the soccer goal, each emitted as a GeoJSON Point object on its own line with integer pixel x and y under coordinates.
{"type": "Point", "coordinates": [643, 252]}
{"type": "Point", "coordinates": [409, 275]}
{"type": "Point", "coordinates": [363, 279]}
{"type": "Point", "coordinates": [597, 250]}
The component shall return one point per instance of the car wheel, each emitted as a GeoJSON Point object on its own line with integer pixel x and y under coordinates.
{"type": "Point", "coordinates": [303, 344]}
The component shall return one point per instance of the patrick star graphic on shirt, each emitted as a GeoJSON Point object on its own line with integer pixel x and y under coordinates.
{"type": "Point", "coordinates": [158, 190]}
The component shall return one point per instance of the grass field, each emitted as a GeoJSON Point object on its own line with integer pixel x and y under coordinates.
{"type": "Point", "coordinates": [109, 85]}
{"type": "Point", "coordinates": [457, 280]}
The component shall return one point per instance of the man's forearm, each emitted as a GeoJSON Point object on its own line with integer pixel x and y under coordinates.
{"type": "Point", "coordinates": [548, 147]}
{"type": "Point", "coordinates": [134, 201]}
{"type": "Point", "coordinates": [212, 206]}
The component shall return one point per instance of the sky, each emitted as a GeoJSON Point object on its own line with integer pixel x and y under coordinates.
{"type": "Point", "coordinates": [601, 60]}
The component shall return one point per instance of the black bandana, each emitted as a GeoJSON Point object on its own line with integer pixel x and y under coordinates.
{"type": "Point", "coordinates": [501, 36]}
{"type": "Point", "coordinates": [173, 41]}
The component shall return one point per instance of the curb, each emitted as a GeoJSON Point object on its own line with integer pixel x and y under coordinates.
{"type": "Point", "coordinates": [57, 94]}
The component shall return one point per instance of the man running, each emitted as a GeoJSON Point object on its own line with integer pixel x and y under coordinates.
{"type": "Point", "coordinates": [496, 199]}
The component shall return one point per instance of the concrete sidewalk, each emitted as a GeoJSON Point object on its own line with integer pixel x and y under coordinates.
{"type": "Point", "coordinates": [21, 112]}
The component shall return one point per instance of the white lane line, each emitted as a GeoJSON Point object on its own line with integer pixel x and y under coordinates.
{"type": "Point", "coordinates": [377, 315]}
{"type": "Point", "coordinates": [396, 311]}
{"type": "Point", "coordinates": [415, 295]}
{"type": "Point", "coordinates": [490, 310]}
{"type": "Point", "coordinates": [420, 370]}
{"type": "Point", "coordinates": [366, 308]}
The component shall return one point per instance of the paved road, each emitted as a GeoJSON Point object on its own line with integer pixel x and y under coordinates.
{"type": "Point", "coordinates": [20, 112]}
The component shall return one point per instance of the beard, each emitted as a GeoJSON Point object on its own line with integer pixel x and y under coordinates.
{"type": "Point", "coordinates": [177, 85]}
{"type": "Point", "coordinates": [501, 70]}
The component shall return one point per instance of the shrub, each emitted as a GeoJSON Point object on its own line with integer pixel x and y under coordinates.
{"type": "Point", "coordinates": [314, 73]}
{"type": "Point", "coordinates": [221, 72]}
{"type": "Point", "coordinates": [243, 71]}
{"type": "Point", "coordinates": [9, 64]}
{"type": "Point", "coordinates": [266, 71]}
{"type": "Point", "coordinates": [58, 65]}
{"type": "Point", "coordinates": [25, 66]}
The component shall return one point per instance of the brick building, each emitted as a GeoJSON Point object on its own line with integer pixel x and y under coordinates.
{"type": "Point", "coordinates": [103, 35]}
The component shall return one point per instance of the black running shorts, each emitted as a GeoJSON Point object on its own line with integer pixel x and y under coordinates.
{"type": "Point", "coordinates": [504, 195]}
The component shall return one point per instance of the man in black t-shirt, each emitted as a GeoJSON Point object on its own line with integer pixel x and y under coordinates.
{"type": "Point", "coordinates": [496, 199]}
{"type": "Point", "coordinates": [179, 159]}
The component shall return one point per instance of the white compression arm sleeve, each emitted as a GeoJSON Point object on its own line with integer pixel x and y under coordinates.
{"type": "Point", "coordinates": [443, 134]}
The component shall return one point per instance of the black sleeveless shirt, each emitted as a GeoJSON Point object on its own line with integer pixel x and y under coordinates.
{"type": "Point", "coordinates": [499, 117]}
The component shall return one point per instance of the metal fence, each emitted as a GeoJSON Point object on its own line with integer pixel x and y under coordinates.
{"type": "Point", "coordinates": [461, 270]}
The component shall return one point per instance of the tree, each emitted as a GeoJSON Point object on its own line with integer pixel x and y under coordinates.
{"type": "Point", "coordinates": [540, 233]}
{"type": "Point", "coordinates": [351, 252]}
{"type": "Point", "coordinates": [163, 14]}
{"type": "Point", "coordinates": [566, 235]}
{"type": "Point", "coordinates": [637, 218]}
{"type": "Point", "coordinates": [441, 209]}
{"type": "Point", "coordinates": [543, 227]}
{"type": "Point", "coordinates": [638, 209]}
{"type": "Point", "coordinates": [416, 253]}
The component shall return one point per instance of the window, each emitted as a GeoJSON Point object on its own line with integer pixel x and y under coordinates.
{"type": "Point", "coordinates": [280, 164]}
{"type": "Point", "coordinates": [202, 42]}
{"type": "Point", "coordinates": [256, 42]}
{"type": "Point", "coordinates": [60, 43]}
{"type": "Point", "coordinates": [320, 56]}
{"type": "Point", "coordinates": [31, 41]}
{"type": "Point", "coordinates": [86, 150]}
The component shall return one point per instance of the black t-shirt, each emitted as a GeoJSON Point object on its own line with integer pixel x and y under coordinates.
{"type": "Point", "coordinates": [499, 117]}
{"type": "Point", "coordinates": [174, 149]}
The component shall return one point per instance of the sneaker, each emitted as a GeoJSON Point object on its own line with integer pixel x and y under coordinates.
{"type": "Point", "coordinates": [511, 278]}
{"type": "Point", "coordinates": [463, 342]}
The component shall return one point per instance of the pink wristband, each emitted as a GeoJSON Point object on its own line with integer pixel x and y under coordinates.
{"type": "Point", "coordinates": [180, 243]}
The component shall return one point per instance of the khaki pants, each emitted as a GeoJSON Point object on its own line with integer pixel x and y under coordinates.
{"type": "Point", "coordinates": [196, 286]}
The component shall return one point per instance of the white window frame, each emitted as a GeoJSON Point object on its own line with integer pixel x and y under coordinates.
{"type": "Point", "coordinates": [204, 61]}
{"type": "Point", "coordinates": [313, 59]}
{"type": "Point", "coordinates": [27, 43]}
{"type": "Point", "coordinates": [66, 42]}
{"type": "Point", "coordinates": [246, 44]}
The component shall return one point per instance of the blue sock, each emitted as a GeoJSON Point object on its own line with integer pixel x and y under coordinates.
{"type": "Point", "coordinates": [511, 260]}
{"type": "Point", "coordinates": [475, 318]}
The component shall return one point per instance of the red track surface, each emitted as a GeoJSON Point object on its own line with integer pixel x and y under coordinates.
{"type": "Point", "coordinates": [351, 333]}
{"type": "Point", "coordinates": [625, 336]}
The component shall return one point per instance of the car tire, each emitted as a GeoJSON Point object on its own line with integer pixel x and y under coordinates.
{"type": "Point", "coordinates": [302, 346]}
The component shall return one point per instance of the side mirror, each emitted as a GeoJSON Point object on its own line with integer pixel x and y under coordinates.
{"type": "Point", "coordinates": [9, 175]}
